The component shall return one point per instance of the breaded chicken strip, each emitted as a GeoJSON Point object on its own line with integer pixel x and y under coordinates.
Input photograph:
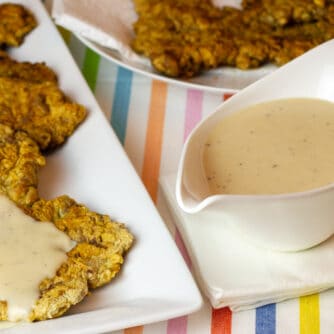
{"type": "Point", "coordinates": [107, 240]}
{"type": "Point", "coordinates": [32, 72]}
{"type": "Point", "coordinates": [93, 262]}
{"type": "Point", "coordinates": [184, 37]}
{"type": "Point", "coordinates": [40, 109]}
{"type": "Point", "coordinates": [20, 161]}
{"type": "Point", "coordinates": [15, 22]}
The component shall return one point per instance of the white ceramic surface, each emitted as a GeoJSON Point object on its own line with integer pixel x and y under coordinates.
{"type": "Point", "coordinates": [154, 283]}
{"type": "Point", "coordinates": [220, 80]}
{"type": "Point", "coordinates": [284, 222]}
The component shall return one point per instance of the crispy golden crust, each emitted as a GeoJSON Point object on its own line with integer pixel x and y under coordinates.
{"type": "Point", "coordinates": [40, 109]}
{"type": "Point", "coordinates": [284, 12]}
{"type": "Point", "coordinates": [81, 224]}
{"type": "Point", "coordinates": [96, 259]}
{"type": "Point", "coordinates": [67, 288]}
{"type": "Point", "coordinates": [184, 37]}
{"type": "Point", "coordinates": [32, 72]}
{"type": "Point", "coordinates": [15, 22]}
{"type": "Point", "coordinates": [3, 310]}
{"type": "Point", "coordinates": [20, 161]}
{"type": "Point", "coordinates": [105, 240]}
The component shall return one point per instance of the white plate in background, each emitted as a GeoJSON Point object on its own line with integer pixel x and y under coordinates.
{"type": "Point", "coordinates": [92, 167]}
{"type": "Point", "coordinates": [220, 80]}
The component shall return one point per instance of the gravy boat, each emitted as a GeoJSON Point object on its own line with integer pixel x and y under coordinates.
{"type": "Point", "coordinates": [285, 222]}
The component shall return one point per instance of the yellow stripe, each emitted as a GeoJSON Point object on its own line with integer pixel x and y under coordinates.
{"type": "Point", "coordinates": [309, 314]}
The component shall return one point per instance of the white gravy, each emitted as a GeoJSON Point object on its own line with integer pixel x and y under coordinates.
{"type": "Point", "coordinates": [274, 147]}
{"type": "Point", "coordinates": [29, 252]}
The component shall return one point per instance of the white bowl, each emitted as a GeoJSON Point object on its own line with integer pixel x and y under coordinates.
{"type": "Point", "coordinates": [287, 222]}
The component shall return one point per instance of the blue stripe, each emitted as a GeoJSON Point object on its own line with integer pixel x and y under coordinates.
{"type": "Point", "coordinates": [266, 319]}
{"type": "Point", "coordinates": [120, 107]}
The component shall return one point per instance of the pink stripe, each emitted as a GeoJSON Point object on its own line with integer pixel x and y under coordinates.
{"type": "Point", "coordinates": [177, 325]}
{"type": "Point", "coordinates": [193, 110]}
{"type": "Point", "coordinates": [182, 247]}
{"type": "Point", "coordinates": [193, 116]}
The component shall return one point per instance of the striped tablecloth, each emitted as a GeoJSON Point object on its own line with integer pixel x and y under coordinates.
{"type": "Point", "coordinates": [152, 119]}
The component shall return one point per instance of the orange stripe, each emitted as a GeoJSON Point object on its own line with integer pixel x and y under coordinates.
{"type": "Point", "coordinates": [221, 322]}
{"type": "Point", "coordinates": [154, 135]}
{"type": "Point", "coordinates": [134, 330]}
{"type": "Point", "coordinates": [226, 96]}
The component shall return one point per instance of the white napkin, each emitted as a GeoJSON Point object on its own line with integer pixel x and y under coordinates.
{"type": "Point", "coordinates": [106, 22]}
{"type": "Point", "coordinates": [233, 272]}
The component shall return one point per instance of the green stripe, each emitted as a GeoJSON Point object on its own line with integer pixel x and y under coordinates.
{"type": "Point", "coordinates": [90, 67]}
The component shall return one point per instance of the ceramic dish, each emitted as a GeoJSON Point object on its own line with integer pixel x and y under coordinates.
{"type": "Point", "coordinates": [154, 283]}
{"type": "Point", "coordinates": [221, 80]}
{"type": "Point", "coordinates": [287, 222]}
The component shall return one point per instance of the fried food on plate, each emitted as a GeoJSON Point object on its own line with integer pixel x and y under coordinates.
{"type": "Point", "coordinates": [15, 22]}
{"type": "Point", "coordinates": [283, 12]}
{"type": "Point", "coordinates": [93, 262]}
{"type": "Point", "coordinates": [35, 115]}
{"type": "Point", "coordinates": [107, 239]}
{"type": "Point", "coordinates": [100, 242]}
{"type": "Point", "coordinates": [184, 37]}
{"type": "Point", "coordinates": [32, 72]}
{"type": "Point", "coordinates": [39, 109]}
{"type": "Point", "coordinates": [20, 161]}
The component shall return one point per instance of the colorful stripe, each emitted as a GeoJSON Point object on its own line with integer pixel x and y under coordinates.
{"type": "Point", "coordinates": [265, 320]}
{"type": "Point", "coordinates": [182, 248]}
{"type": "Point", "coordinates": [154, 135]}
{"type": "Point", "coordinates": [193, 115]}
{"type": "Point", "coordinates": [121, 102]}
{"type": "Point", "coordinates": [309, 314]}
{"type": "Point", "coordinates": [226, 96]}
{"type": "Point", "coordinates": [134, 330]}
{"type": "Point", "coordinates": [193, 110]}
{"type": "Point", "coordinates": [221, 321]}
{"type": "Point", "coordinates": [177, 325]}
{"type": "Point", "coordinates": [90, 67]}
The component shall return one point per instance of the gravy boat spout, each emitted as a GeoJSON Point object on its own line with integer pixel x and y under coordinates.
{"type": "Point", "coordinates": [286, 222]}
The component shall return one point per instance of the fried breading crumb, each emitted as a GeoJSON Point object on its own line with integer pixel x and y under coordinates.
{"type": "Point", "coordinates": [31, 72]}
{"type": "Point", "coordinates": [40, 109]}
{"type": "Point", "coordinates": [15, 22]}
{"type": "Point", "coordinates": [20, 161]}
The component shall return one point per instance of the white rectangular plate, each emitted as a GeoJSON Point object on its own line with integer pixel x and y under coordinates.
{"type": "Point", "coordinates": [154, 283]}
